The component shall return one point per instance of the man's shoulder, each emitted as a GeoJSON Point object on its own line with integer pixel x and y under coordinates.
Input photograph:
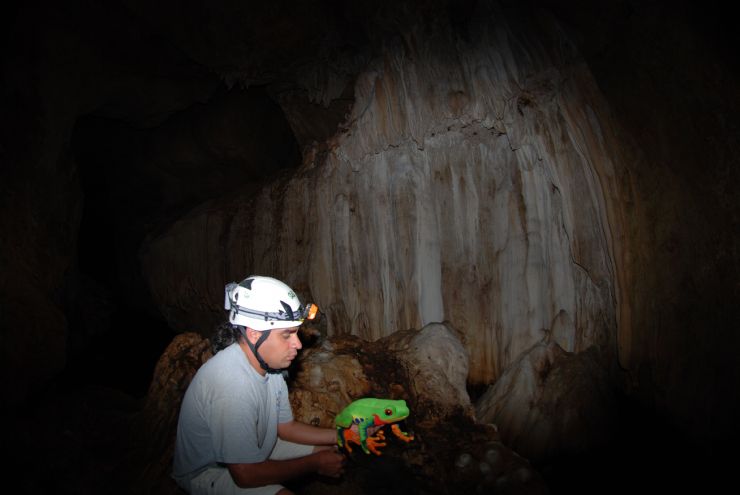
{"type": "Point", "coordinates": [223, 366]}
{"type": "Point", "coordinates": [225, 357]}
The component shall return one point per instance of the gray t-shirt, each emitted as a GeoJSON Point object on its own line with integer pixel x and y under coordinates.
{"type": "Point", "coordinates": [229, 415]}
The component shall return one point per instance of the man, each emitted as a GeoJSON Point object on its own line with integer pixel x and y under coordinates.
{"type": "Point", "coordinates": [236, 433]}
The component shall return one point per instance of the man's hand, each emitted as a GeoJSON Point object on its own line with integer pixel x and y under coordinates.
{"type": "Point", "coordinates": [330, 463]}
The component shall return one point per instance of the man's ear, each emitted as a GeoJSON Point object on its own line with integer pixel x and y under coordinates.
{"type": "Point", "coordinates": [252, 335]}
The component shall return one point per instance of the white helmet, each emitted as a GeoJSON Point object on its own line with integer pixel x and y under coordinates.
{"type": "Point", "coordinates": [265, 303]}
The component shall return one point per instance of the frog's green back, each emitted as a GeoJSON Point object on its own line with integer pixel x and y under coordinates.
{"type": "Point", "coordinates": [387, 410]}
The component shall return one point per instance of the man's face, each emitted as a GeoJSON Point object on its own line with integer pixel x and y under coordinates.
{"type": "Point", "coordinates": [281, 347]}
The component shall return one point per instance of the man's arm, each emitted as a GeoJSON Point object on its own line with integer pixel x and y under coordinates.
{"type": "Point", "coordinates": [325, 462]}
{"type": "Point", "coordinates": [297, 432]}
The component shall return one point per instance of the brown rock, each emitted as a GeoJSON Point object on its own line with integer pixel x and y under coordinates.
{"type": "Point", "coordinates": [325, 384]}
{"type": "Point", "coordinates": [551, 402]}
{"type": "Point", "coordinates": [148, 466]}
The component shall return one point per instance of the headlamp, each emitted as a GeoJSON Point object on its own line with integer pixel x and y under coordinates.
{"type": "Point", "coordinates": [303, 313]}
{"type": "Point", "coordinates": [310, 311]}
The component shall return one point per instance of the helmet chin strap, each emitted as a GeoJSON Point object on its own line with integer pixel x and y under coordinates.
{"type": "Point", "coordinates": [253, 347]}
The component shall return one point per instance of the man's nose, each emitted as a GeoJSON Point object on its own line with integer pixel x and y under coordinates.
{"type": "Point", "coordinates": [297, 341]}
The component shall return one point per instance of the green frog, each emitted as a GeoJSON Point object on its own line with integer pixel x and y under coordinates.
{"type": "Point", "coordinates": [370, 413]}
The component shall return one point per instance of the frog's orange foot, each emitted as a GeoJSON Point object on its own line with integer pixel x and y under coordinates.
{"type": "Point", "coordinates": [373, 443]}
{"type": "Point", "coordinates": [401, 434]}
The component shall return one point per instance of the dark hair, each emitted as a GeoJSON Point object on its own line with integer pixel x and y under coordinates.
{"type": "Point", "coordinates": [224, 335]}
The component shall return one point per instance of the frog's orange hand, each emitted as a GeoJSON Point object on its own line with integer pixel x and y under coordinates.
{"type": "Point", "coordinates": [401, 434]}
{"type": "Point", "coordinates": [373, 442]}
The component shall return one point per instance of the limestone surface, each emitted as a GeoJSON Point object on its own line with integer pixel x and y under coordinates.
{"type": "Point", "coordinates": [474, 181]}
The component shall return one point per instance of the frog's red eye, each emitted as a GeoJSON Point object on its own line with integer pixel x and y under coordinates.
{"type": "Point", "coordinates": [388, 412]}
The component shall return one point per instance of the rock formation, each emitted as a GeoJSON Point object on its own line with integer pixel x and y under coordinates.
{"type": "Point", "coordinates": [475, 180]}
{"type": "Point", "coordinates": [550, 402]}
{"type": "Point", "coordinates": [427, 367]}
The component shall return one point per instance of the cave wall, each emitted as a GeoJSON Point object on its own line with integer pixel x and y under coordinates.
{"type": "Point", "coordinates": [669, 72]}
{"type": "Point", "coordinates": [476, 180]}
{"type": "Point", "coordinates": [631, 129]}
